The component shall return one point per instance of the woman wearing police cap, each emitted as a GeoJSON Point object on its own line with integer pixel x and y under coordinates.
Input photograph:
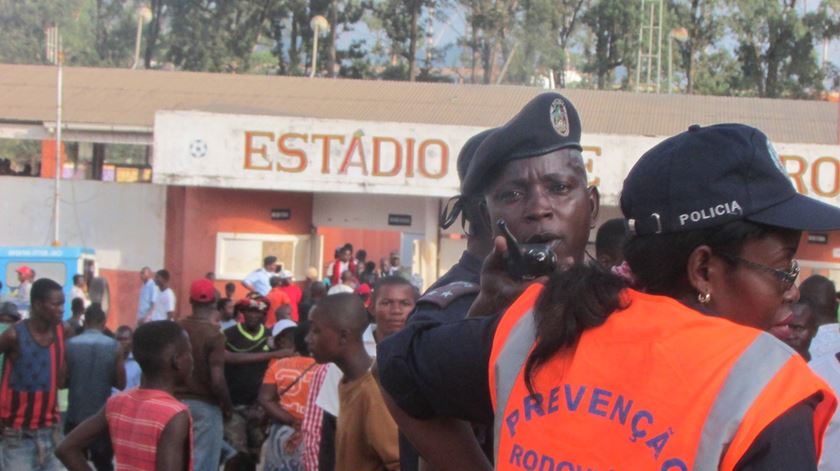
{"type": "Point", "coordinates": [584, 372]}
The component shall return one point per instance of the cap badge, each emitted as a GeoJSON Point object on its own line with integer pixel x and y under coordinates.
{"type": "Point", "coordinates": [559, 117]}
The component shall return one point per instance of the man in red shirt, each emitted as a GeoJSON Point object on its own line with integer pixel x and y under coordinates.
{"type": "Point", "coordinates": [149, 428]}
{"type": "Point", "coordinates": [277, 297]}
{"type": "Point", "coordinates": [293, 291]}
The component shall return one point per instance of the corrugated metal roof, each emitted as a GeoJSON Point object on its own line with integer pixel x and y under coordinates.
{"type": "Point", "coordinates": [124, 97]}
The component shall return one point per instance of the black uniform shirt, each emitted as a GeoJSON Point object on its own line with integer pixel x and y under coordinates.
{"type": "Point", "coordinates": [450, 297]}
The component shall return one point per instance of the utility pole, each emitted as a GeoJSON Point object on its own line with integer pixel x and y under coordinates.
{"type": "Point", "coordinates": [55, 54]}
{"type": "Point", "coordinates": [649, 57]}
{"type": "Point", "coordinates": [318, 24]}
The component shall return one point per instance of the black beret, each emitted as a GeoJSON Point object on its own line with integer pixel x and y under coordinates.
{"type": "Point", "coordinates": [450, 214]}
{"type": "Point", "coordinates": [547, 123]}
{"type": "Point", "coordinates": [468, 152]}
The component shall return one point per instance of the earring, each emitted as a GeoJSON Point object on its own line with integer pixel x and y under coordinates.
{"type": "Point", "coordinates": [704, 298]}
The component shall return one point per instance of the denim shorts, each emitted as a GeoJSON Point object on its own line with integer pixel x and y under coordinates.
{"type": "Point", "coordinates": [30, 449]}
{"type": "Point", "coordinates": [207, 434]}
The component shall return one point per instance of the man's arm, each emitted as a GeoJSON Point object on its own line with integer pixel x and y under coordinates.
{"type": "Point", "coordinates": [170, 308]}
{"type": "Point", "coordinates": [447, 444]}
{"type": "Point", "coordinates": [240, 358]}
{"type": "Point", "coordinates": [9, 343]}
{"type": "Point", "coordinates": [268, 400]}
{"type": "Point", "coordinates": [248, 281]}
{"type": "Point", "coordinates": [148, 315]}
{"type": "Point", "coordinates": [71, 450]}
{"type": "Point", "coordinates": [218, 385]}
{"type": "Point", "coordinates": [381, 432]}
{"type": "Point", "coordinates": [173, 444]}
{"type": "Point", "coordinates": [119, 373]}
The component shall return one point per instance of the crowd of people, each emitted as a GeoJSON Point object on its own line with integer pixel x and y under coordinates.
{"type": "Point", "coordinates": [663, 350]}
{"type": "Point", "coordinates": [232, 384]}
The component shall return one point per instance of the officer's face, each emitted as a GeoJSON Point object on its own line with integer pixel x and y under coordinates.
{"type": "Point", "coordinates": [546, 199]}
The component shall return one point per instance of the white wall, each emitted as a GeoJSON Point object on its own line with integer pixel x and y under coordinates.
{"type": "Point", "coordinates": [123, 222]}
{"type": "Point", "coordinates": [370, 211]}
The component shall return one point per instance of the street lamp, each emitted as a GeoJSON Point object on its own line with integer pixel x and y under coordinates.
{"type": "Point", "coordinates": [681, 35]}
{"type": "Point", "coordinates": [318, 24]}
{"type": "Point", "coordinates": [144, 15]}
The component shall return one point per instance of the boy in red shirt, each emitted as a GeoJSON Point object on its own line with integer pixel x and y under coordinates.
{"type": "Point", "coordinates": [149, 428]}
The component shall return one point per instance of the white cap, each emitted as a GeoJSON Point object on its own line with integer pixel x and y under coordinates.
{"type": "Point", "coordinates": [286, 274]}
{"type": "Point", "coordinates": [282, 325]}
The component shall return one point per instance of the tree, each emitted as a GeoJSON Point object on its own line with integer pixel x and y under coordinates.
{"type": "Point", "coordinates": [702, 20]}
{"type": "Point", "coordinates": [216, 35]}
{"type": "Point", "coordinates": [563, 24]}
{"type": "Point", "coordinates": [614, 25]}
{"type": "Point", "coordinates": [153, 34]}
{"type": "Point", "coordinates": [94, 32]}
{"type": "Point", "coordinates": [400, 20]}
{"type": "Point", "coordinates": [490, 23]}
{"type": "Point", "coordinates": [342, 15]}
{"type": "Point", "coordinates": [775, 50]}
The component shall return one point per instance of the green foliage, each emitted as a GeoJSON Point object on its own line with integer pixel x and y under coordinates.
{"type": "Point", "coordinates": [614, 26]}
{"type": "Point", "coordinates": [765, 48]}
{"type": "Point", "coordinates": [775, 51]}
{"type": "Point", "coordinates": [94, 32]}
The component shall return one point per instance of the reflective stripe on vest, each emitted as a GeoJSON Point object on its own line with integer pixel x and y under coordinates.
{"type": "Point", "coordinates": [511, 359]}
{"type": "Point", "coordinates": [753, 370]}
{"type": "Point", "coordinates": [756, 366]}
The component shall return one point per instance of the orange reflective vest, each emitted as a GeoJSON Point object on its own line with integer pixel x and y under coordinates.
{"type": "Point", "coordinates": [658, 386]}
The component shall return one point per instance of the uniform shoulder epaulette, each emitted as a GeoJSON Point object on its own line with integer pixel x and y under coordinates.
{"type": "Point", "coordinates": [443, 296]}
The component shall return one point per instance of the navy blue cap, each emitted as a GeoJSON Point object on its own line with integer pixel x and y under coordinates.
{"type": "Point", "coordinates": [450, 213]}
{"type": "Point", "coordinates": [708, 176]}
{"type": "Point", "coordinates": [547, 123]}
{"type": "Point", "coordinates": [468, 152]}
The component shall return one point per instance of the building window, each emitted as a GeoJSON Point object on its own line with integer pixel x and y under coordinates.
{"type": "Point", "coordinates": [239, 254]}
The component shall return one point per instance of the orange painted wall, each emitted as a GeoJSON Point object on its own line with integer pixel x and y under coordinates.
{"type": "Point", "coordinates": [124, 287]}
{"type": "Point", "coordinates": [377, 243]}
{"type": "Point", "coordinates": [48, 157]}
{"type": "Point", "coordinates": [819, 252]}
{"type": "Point", "coordinates": [195, 215]}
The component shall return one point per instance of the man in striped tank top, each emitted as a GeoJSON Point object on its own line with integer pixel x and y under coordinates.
{"type": "Point", "coordinates": [149, 428]}
{"type": "Point", "coordinates": [32, 373]}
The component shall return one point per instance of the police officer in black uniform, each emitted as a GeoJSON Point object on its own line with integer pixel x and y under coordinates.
{"type": "Point", "coordinates": [451, 296]}
{"type": "Point", "coordinates": [548, 124]}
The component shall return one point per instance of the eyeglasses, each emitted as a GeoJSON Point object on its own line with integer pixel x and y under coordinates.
{"type": "Point", "coordinates": [786, 277]}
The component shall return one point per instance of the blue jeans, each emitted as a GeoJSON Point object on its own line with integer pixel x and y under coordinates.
{"type": "Point", "coordinates": [208, 430]}
{"type": "Point", "coordinates": [30, 450]}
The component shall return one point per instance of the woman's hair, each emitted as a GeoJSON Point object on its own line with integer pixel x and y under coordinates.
{"type": "Point", "coordinates": [583, 297]}
{"type": "Point", "coordinates": [659, 260]}
{"type": "Point", "coordinates": [573, 300]}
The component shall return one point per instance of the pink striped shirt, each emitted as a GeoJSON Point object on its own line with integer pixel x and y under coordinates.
{"type": "Point", "coordinates": [312, 421]}
{"type": "Point", "coordinates": [136, 420]}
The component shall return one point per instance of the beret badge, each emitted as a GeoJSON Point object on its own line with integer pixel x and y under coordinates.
{"type": "Point", "coordinates": [559, 117]}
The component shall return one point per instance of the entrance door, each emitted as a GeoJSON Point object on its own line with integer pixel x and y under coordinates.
{"type": "Point", "coordinates": [408, 241]}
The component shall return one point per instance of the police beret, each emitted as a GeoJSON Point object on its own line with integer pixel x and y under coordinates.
{"type": "Point", "coordinates": [468, 152]}
{"type": "Point", "coordinates": [547, 123]}
{"type": "Point", "coordinates": [454, 206]}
